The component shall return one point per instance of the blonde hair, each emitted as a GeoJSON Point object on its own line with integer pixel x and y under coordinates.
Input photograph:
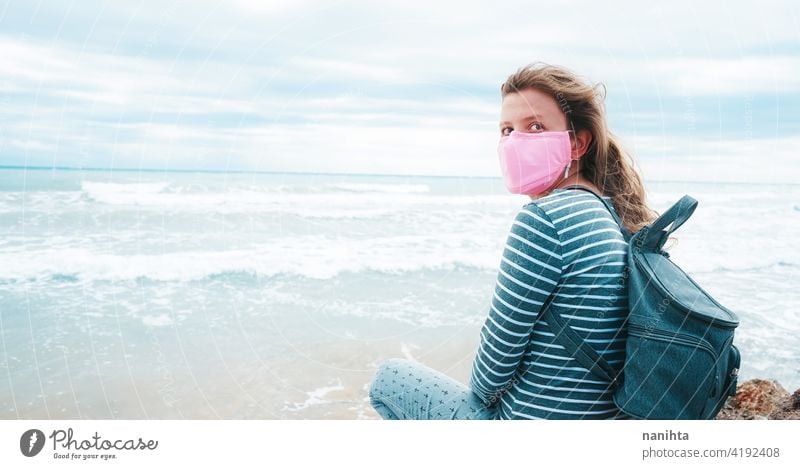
{"type": "Point", "coordinates": [606, 164]}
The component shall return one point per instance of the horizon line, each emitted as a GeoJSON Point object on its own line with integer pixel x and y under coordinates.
{"type": "Point", "coordinates": [244, 171]}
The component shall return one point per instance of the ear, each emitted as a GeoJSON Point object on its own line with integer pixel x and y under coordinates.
{"type": "Point", "coordinates": [583, 138]}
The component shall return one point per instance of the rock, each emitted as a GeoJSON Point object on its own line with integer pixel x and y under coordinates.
{"type": "Point", "coordinates": [788, 409]}
{"type": "Point", "coordinates": [759, 399]}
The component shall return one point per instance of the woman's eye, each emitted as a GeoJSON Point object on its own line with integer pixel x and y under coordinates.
{"type": "Point", "coordinates": [535, 126]}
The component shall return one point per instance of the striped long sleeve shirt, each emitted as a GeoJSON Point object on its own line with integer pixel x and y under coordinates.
{"type": "Point", "coordinates": [567, 245]}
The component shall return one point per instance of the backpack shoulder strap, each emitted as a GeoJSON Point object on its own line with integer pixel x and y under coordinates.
{"type": "Point", "coordinates": [575, 346]}
{"type": "Point", "coordinates": [625, 232]}
{"type": "Point", "coordinates": [568, 338]}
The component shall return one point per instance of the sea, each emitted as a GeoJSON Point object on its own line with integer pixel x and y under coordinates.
{"type": "Point", "coordinates": [147, 294]}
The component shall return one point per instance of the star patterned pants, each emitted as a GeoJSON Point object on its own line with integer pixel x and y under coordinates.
{"type": "Point", "coordinates": [408, 390]}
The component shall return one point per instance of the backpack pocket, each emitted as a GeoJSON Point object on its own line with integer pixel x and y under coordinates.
{"type": "Point", "coordinates": [667, 375]}
{"type": "Point", "coordinates": [734, 361]}
{"type": "Point", "coordinates": [729, 367]}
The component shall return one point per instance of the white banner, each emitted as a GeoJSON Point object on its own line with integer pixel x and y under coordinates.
{"type": "Point", "coordinates": [396, 444]}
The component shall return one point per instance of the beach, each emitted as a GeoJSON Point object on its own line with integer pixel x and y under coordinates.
{"type": "Point", "coordinates": [161, 295]}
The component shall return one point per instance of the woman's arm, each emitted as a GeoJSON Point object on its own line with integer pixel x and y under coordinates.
{"type": "Point", "coordinates": [529, 272]}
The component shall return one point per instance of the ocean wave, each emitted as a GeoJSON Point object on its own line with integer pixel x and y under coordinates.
{"type": "Point", "coordinates": [312, 257]}
{"type": "Point", "coordinates": [76, 258]}
{"type": "Point", "coordinates": [331, 201]}
{"type": "Point", "coordinates": [390, 188]}
{"type": "Point", "coordinates": [706, 197]}
{"type": "Point", "coordinates": [315, 397]}
{"type": "Point", "coordinates": [761, 267]}
{"type": "Point", "coordinates": [15, 202]}
{"type": "Point", "coordinates": [100, 188]}
{"type": "Point", "coordinates": [104, 187]}
{"type": "Point", "coordinates": [310, 203]}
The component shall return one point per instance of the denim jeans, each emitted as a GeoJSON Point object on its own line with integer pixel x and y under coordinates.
{"type": "Point", "coordinates": [408, 390]}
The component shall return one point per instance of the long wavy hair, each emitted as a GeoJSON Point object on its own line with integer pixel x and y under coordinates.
{"type": "Point", "coordinates": [606, 163]}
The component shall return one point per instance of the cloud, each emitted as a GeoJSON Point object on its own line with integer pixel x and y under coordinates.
{"type": "Point", "coordinates": [405, 87]}
{"type": "Point", "coordinates": [730, 76]}
{"type": "Point", "coordinates": [746, 160]}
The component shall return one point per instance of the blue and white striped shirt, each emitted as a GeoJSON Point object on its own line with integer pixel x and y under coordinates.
{"type": "Point", "coordinates": [565, 244]}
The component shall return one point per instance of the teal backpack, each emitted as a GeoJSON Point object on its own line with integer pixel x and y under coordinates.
{"type": "Point", "coordinates": [680, 361]}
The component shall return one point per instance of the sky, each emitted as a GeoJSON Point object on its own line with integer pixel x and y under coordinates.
{"type": "Point", "coordinates": [695, 90]}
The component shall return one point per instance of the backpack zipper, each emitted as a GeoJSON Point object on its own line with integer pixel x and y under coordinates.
{"type": "Point", "coordinates": [676, 337]}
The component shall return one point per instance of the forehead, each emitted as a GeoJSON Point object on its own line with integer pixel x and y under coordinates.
{"type": "Point", "coordinates": [527, 103]}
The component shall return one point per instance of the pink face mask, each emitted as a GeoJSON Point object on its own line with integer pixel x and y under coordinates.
{"type": "Point", "coordinates": [532, 162]}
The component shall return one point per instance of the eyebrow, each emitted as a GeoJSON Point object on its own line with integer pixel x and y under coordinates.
{"type": "Point", "coordinates": [533, 116]}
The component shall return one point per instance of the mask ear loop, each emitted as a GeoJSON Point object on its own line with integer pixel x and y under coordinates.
{"type": "Point", "coordinates": [566, 170]}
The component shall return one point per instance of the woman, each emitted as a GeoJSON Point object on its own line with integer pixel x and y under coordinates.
{"type": "Point", "coordinates": [563, 246]}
